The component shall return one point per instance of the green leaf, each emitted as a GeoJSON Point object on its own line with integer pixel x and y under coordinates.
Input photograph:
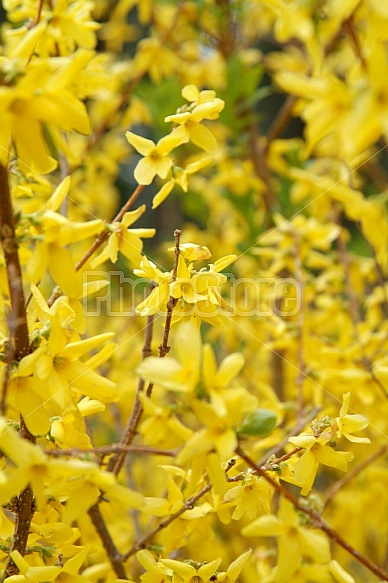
{"type": "Point", "coordinates": [258, 423]}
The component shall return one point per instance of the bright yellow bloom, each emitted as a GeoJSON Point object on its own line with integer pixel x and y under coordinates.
{"type": "Point", "coordinates": [218, 433]}
{"type": "Point", "coordinates": [316, 452]}
{"type": "Point", "coordinates": [127, 241]}
{"type": "Point", "coordinates": [251, 497]}
{"type": "Point", "coordinates": [36, 574]}
{"type": "Point", "coordinates": [59, 363]}
{"type": "Point", "coordinates": [156, 161]}
{"type": "Point", "coordinates": [348, 424]}
{"type": "Point", "coordinates": [205, 105]}
{"type": "Point", "coordinates": [39, 97]}
{"type": "Point", "coordinates": [295, 541]}
{"type": "Point", "coordinates": [197, 292]}
{"type": "Point", "coordinates": [156, 572]}
{"type": "Point", "coordinates": [57, 232]}
{"type": "Point", "coordinates": [161, 427]}
{"type": "Point", "coordinates": [190, 573]}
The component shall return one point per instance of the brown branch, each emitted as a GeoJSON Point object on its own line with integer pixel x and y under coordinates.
{"type": "Point", "coordinates": [39, 13]}
{"type": "Point", "coordinates": [105, 234]}
{"type": "Point", "coordinates": [114, 556]}
{"type": "Point", "coordinates": [24, 508]}
{"type": "Point", "coordinates": [116, 461]}
{"type": "Point", "coordinates": [350, 30]}
{"type": "Point", "coordinates": [110, 449]}
{"type": "Point", "coordinates": [281, 119]}
{"type": "Point", "coordinates": [257, 155]}
{"type": "Point", "coordinates": [316, 518]}
{"type": "Point", "coordinates": [164, 348]}
{"type": "Point", "coordinates": [352, 474]}
{"type": "Point", "coordinates": [18, 318]}
{"type": "Point", "coordinates": [269, 465]}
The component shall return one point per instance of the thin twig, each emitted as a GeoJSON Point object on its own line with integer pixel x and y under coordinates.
{"type": "Point", "coordinates": [352, 474]}
{"type": "Point", "coordinates": [316, 518]}
{"type": "Point", "coordinates": [115, 557]}
{"type": "Point", "coordinates": [100, 239]}
{"type": "Point", "coordinates": [164, 348]}
{"type": "Point", "coordinates": [110, 449]}
{"type": "Point", "coordinates": [188, 505]}
{"type": "Point", "coordinates": [281, 119]}
{"type": "Point", "coordinates": [116, 461]}
{"type": "Point", "coordinates": [350, 29]}
{"type": "Point", "coordinates": [269, 465]}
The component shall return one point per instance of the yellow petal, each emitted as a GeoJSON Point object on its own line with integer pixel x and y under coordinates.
{"type": "Point", "coordinates": [59, 195]}
{"type": "Point", "coordinates": [142, 145]}
{"type": "Point", "coordinates": [163, 193]}
{"type": "Point", "coordinates": [315, 544]}
{"type": "Point", "coordinates": [201, 136]}
{"type": "Point", "coordinates": [63, 272]}
{"type": "Point", "coordinates": [145, 172]}
{"type": "Point", "coordinates": [229, 369]}
{"type": "Point", "coordinates": [190, 93]}
{"type": "Point", "coordinates": [267, 525]}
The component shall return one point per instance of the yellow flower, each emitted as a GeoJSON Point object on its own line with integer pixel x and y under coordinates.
{"type": "Point", "coordinates": [36, 574]}
{"type": "Point", "coordinates": [205, 105]}
{"type": "Point", "coordinates": [197, 292]}
{"type": "Point", "coordinates": [60, 363]}
{"type": "Point", "coordinates": [158, 298]}
{"type": "Point", "coordinates": [316, 452]}
{"type": "Point", "coordinates": [156, 572]}
{"type": "Point", "coordinates": [39, 97]}
{"type": "Point", "coordinates": [251, 497]}
{"type": "Point", "coordinates": [58, 232]}
{"type": "Point", "coordinates": [348, 424]}
{"type": "Point", "coordinates": [218, 433]}
{"type": "Point", "coordinates": [294, 541]}
{"type": "Point", "coordinates": [69, 430]}
{"type": "Point", "coordinates": [156, 161]}
{"type": "Point", "coordinates": [161, 427]}
{"type": "Point", "coordinates": [127, 241]}
{"type": "Point", "coordinates": [190, 573]}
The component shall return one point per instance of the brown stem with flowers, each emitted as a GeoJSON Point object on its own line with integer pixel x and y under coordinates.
{"type": "Point", "coordinates": [314, 516]}
{"type": "Point", "coordinates": [18, 329]}
{"type": "Point", "coordinates": [117, 460]}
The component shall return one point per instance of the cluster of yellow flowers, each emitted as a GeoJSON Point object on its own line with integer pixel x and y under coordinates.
{"type": "Point", "coordinates": [117, 464]}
